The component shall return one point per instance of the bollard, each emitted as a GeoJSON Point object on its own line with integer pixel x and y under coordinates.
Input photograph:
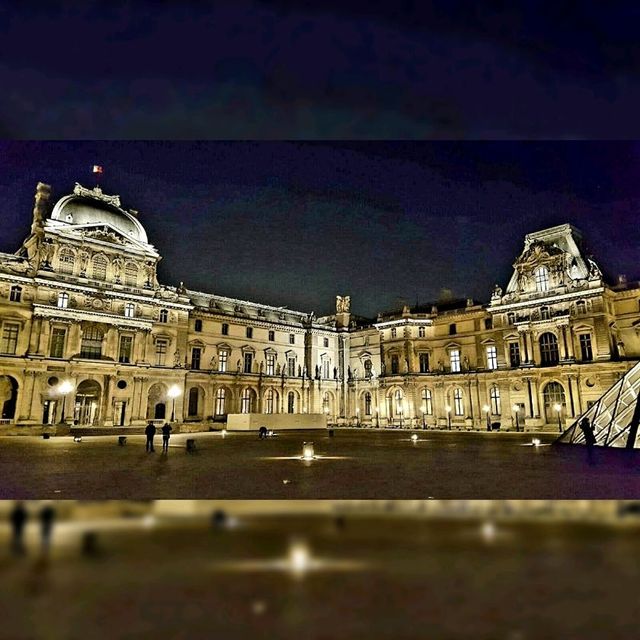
{"type": "Point", "coordinates": [77, 438]}
{"type": "Point", "coordinates": [122, 440]}
{"type": "Point", "coordinates": [218, 519]}
{"type": "Point", "coordinates": [191, 445]}
{"type": "Point", "coordinates": [45, 436]}
{"type": "Point", "coordinates": [331, 433]}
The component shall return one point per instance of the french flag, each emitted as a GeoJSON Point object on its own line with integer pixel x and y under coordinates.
{"type": "Point", "coordinates": [97, 168]}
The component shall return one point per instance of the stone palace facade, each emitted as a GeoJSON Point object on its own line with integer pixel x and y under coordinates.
{"type": "Point", "coordinates": [89, 336]}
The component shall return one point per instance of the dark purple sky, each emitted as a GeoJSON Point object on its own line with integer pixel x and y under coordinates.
{"type": "Point", "coordinates": [360, 69]}
{"type": "Point", "coordinates": [297, 223]}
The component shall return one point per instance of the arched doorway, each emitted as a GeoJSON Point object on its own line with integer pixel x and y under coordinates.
{"type": "Point", "coordinates": [8, 397]}
{"type": "Point", "coordinates": [554, 398]}
{"type": "Point", "coordinates": [157, 402]}
{"type": "Point", "coordinates": [86, 410]}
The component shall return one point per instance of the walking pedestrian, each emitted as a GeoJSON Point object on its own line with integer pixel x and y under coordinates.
{"type": "Point", "coordinates": [150, 431]}
{"type": "Point", "coordinates": [589, 438]}
{"type": "Point", "coordinates": [166, 434]}
{"type": "Point", "coordinates": [18, 519]}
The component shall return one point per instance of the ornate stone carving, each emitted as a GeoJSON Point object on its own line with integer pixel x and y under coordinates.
{"type": "Point", "coordinates": [97, 193]}
{"type": "Point", "coordinates": [343, 304]}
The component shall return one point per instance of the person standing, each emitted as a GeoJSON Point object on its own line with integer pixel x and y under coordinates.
{"type": "Point", "coordinates": [150, 431]}
{"type": "Point", "coordinates": [589, 438]}
{"type": "Point", "coordinates": [166, 434]}
{"type": "Point", "coordinates": [47, 516]}
{"type": "Point", "coordinates": [18, 518]}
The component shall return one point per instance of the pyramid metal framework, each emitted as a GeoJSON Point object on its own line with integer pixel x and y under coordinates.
{"type": "Point", "coordinates": [614, 417]}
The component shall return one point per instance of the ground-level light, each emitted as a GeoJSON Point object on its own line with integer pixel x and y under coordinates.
{"type": "Point", "coordinates": [307, 451]}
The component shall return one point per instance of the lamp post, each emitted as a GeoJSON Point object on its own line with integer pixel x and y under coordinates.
{"type": "Point", "coordinates": [358, 417]}
{"type": "Point", "coordinates": [558, 409]}
{"type": "Point", "coordinates": [448, 410]}
{"type": "Point", "coordinates": [424, 419]}
{"type": "Point", "coordinates": [326, 413]}
{"type": "Point", "coordinates": [64, 389]}
{"type": "Point", "coordinates": [377, 420]}
{"type": "Point", "coordinates": [173, 393]}
{"type": "Point", "coordinates": [516, 408]}
{"type": "Point", "coordinates": [400, 412]}
{"type": "Point", "coordinates": [486, 409]}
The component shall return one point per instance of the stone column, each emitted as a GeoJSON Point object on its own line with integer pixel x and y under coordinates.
{"type": "Point", "coordinates": [35, 337]}
{"type": "Point", "coordinates": [107, 401]}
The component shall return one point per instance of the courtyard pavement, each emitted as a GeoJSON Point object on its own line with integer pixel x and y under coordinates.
{"type": "Point", "coordinates": [374, 577]}
{"type": "Point", "coordinates": [352, 465]}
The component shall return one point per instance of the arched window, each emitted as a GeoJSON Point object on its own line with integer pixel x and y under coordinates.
{"type": "Point", "coordinates": [99, 267]}
{"type": "Point", "coordinates": [131, 274]}
{"type": "Point", "coordinates": [66, 260]}
{"type": "Point", "coordinates": [268, 401]}
{"type": "Point", "coordinates": [220, 402]}
{"type": "Point", "coordinates": [164, 315]}
{"type": "Point", "coordinates": [291, 402]}
{"type": "Point", "coordinates": [549, 354]}
{"type": "Point", "coordinates": [367, 404]}
{"type": "Point", "coordinates": [554, 401]}
{"type": "Point", "coordinates": [541, 276]}
{"type": "Point", "coordinates": [398, 403]}
{"type": "Point", "coordinates": [494, 396]}
{"type": "Point", "coordinates": [395, 364]}
{"type": "Point", "coordinates": [245, 401]}
{"type": "Point", "coordinates": [458, 402]}
{"type": "Point", "coordinates": [63, 300]}
{"type": "Point", "coordinates": [427, 401]}
{"type": "Point", "coordinates": [325, 403]}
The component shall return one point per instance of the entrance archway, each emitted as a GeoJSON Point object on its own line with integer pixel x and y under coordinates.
{"type": "Point", "coordinates": [553, 395]}
{"type": "Point", "coordinates": [8, 397]}
{"type": "Point", "coordinates": [157, 402]}
{"type": "Point", "coordinates": [86, 410]}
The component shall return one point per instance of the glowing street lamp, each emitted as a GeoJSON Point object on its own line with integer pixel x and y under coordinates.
{"type": "Point", "coordinates": [448, 410]}
{"type": "Point", "coordinates": [414, 437]}
{"type": "Point", "coordinates": [66, 386]}
{"type": "Point", "coordinates": [299, 558]}
{"type": "Point", "coordinates": [307, 451]}
{"type": "Point", "coordinates": [173, 393]}
{"type": "Point", "coordinates": [558, 409]}
{"type": "Point", "coordinates": [486, 409]}
{"type": "Point", "coordinates": [516, 410]}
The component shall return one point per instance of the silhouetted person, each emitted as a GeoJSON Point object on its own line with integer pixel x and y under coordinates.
{"type": "Point", "coordinates": [18, 518]}
{"type": "Point", "coordinates": [589, 438]}
{"type": "Point", "coordinates": [263, 433]}
{"type": "Point", "coordinates": [218, 519]}
{"type": "Point", "coordinates": [166, 434]}
{"type": "Point", "coordinates": [150, 431]}
{"type": "Point", "coordinates": [90, 547]}
{"type": "Point", "coordinates": [47, 516]}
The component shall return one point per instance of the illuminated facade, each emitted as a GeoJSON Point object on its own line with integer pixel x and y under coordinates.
{"type": "Point", "coordinates": [89, 336]}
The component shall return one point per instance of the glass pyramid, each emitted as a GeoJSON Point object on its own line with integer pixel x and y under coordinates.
{"type": "Point", "coordinates": [614, 417]}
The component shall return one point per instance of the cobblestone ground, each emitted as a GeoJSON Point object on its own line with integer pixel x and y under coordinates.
{"type": "Point", "coordinates": [405, 578]}
{"type": "Point", "coordinates": [353, 464]}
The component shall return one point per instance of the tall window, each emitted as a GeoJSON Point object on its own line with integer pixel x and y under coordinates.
{"type": "Point", "coordinates": [325, 404]}
{"type": "Point", "coordinates": [581, 307]}
{"type": "Point", "coordinates": [223, 358]}
{"type": "Point", "coordinates": [193, 402]}
{"type": "Point", "coordinates": [511, 317]}
{"type": "Point", "coordinates": [10, 337]}
{"type": "Point", "coordinates": [91, 345]}
{"type": "Point", "coordinates": [161, 352]}
{"type": "Point", "coordinates": [272, 336]}
{"type": "Point", "coordinates": [367, 404]}
{"type": "Point", "coordinates": [197, 325]}
{"type": "Point", "coordinates": [494, 396]}
{"type": "Point", "coordinates": [325, 342]}
{"type": "Point", "coordinates": [398, 403]}
{"type": "Point", "coordinates": [245, 401]}
{"type": "Point", "coordinates": [196, 355]}
{"type": "Point", "coordinates": [268, 401]}
{"type": "Point", "coordinates": [131, 274]}
{"type": "Point", "coordinates": [99, 267]}
{"type": "Point", "coordinates": [453, 329]}
{"type": "Point", "coordinates": [488, 323]}
{"type": "Point", "coordinates": [421, 332]}
{"type": "Point", "coordinates": [395, 364]}
{"type": "Point", "coordinates": [15, 294]}
{"type": "Point", "coordinates": [271, 364]}
{"type": "Point", "coordinates": [66, 261]}
{"type": "Point", "coordinates": [367, 368]}
{"type": "Point", "coordinates": [248, 361]}
{"type": "Point", "coordinates": [126, 347]}
{"type": "Point", "coordinates": [454, 359]}
{"type": "Point", "coordinates": [514, 354]}
{"type": "Point", "coordinates": [292, 338]}
{"type": "Point", "coordinates": [129, 310]}
{"type": "Point", "coordinates": [549, 349]}
{"type": "Point", "coordinates": [164, 315]}
{"type": "Point", "coordinates": [545, 313]}
{"type": "Point", "coordinates": [492, 357]}
{"type": "Point", "coordinates": [424, 363]}
{"type": "Point", "coordinates": [325, 368]}
{"type": "Point", "coordinates": [57, 342]}
{"type": "Point", "coordinates": [291, 402]}
{"type": "Point", "coordinates": [585, 346]}
{"type": "Point", "coordinates": [291, 367]}
{"type": "Point", "coordinates": [225, 329]}
{"type": "Point", "coordinates": [394, 332]}
{"type": "Point", "coordinates": [249, 332]}
{"type": "Point", "coordinates": [458, 402]}
{"type": "Point", "coordinates": [541, 276]}
{"type": "Point", "coordinates": [63, 300]}
{"type": "Point", "coordinates": [220, 402]}
{"type": "Point", "coordinates": [427, 401]}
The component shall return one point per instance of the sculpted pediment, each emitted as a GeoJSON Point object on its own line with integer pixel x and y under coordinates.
{"type": "Point", "coordinates": [538, 254]}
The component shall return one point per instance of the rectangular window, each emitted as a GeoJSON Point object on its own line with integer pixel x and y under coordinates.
{"type": "Point", "coordinates": [492, 358]}
{"type": "Point", "coordinates": [585, 347]}
{"type": "Point", "coordinates": [292, 338]}
{"type": "Point", "coordinates": [249, 332]}
{"type": "Point", "coordinates": [248, 361]}
{"type": "Point", "coordinates": [15, 295]}
{"type": "Point", "coordinates": [395, 364]}
{"type": "Point", "coordinates": [325, 368]}
{"type": "Point", "coordinates": [488, 323]}
{"type": "Point", "coordinates": [393, 332]}
{"type": "Point", "coordinates": [424, 363]}
{"type": "Point", "coordinates": [57, 342]}
{"type": "Point", "coordinates": [421, 332]}
{"type": "Point", "coordinates": [326, 343]}
{"type": "Point", "coordinates": [197, 325]}
{"type": "Point", "coordinates": [91, 345]}
{"type": "Point", "coordinates": [454, 358]}
{"type": "Point", "coordinates": [272, 336]}
{"type": "Point", "coordinates": [161, 352]}
{"type": "Point", "coordinates": [452, 329]}
{"type": "Point", "coordinates": [10, 338]}
{"type": "Point", "coordinates": [129, 310]}
{"type": "Point", "coordinates": [196, 354]}
{"type": "Point", "coordinates": [514, 354]}
{"type": "Point", "coordinates": [271, 364]}
{"type": "Point", "coordinates": [223, 358]}
{"type": "Point", "coordinates": [126, 347]}
{"type": "Point", "coordinates": [225, 329]}
{"type": "Point", "coordinates": [291, 366]}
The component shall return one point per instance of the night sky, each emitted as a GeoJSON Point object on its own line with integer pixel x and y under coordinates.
{"type": "Point", "coordinates": [252, 69]}
{"type": "Point", "coordinates": [293, 223]}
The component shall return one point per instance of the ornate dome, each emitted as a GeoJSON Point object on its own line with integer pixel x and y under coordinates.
{"type": "Point", "coordinates": [91, 207]}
